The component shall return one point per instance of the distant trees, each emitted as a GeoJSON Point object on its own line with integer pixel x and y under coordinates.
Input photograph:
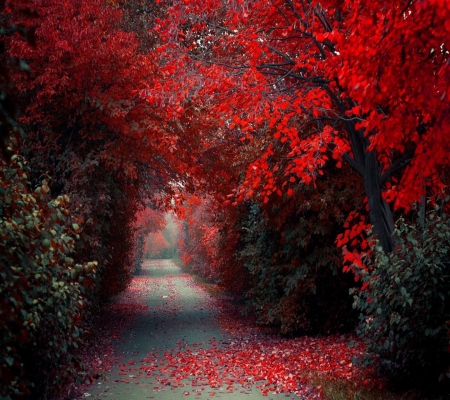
{"type": "Point", "coordinates": [148, 222]}
{"type": "Point", "coordinates": [156, 244]}
{"type": "Point", "coordinates": [171, 234]}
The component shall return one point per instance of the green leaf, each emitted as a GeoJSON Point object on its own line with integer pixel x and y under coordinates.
{"type": "Point", "coordinates": [9, 360]}
{"type": "Point", "coordinates": [24, 66]}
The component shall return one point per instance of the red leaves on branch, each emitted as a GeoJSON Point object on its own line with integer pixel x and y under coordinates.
{"type": "Point", "coordinates": [394, 64]}
{"type": "Point", "coordinates": [99, 78]}
{"type": "Point", "coordinates": [325, 82]}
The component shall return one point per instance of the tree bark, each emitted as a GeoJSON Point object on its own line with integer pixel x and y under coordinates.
{"type": "Point", "coordinates": [366, 164]}
{"type": "Point", "coordinates": [380, 213]}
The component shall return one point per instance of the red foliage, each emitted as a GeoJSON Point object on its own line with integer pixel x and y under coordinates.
{"type": "Point", "coordinates": [393, 62]}
{"type": "Point", "coordinates": [209, 240]}
{"type": "Point", "coordinates": [199, 232]}
{"type": "Point", "coordinates": [87, 127]}
{"type": "Point", "coordinates": [366, 82]}
{"type": "Point", "coordinates": [95, 73]}
{"type": "Point", "coordinates": [234, 97]}
{"type": "Point", "coordinates": [149, 220]}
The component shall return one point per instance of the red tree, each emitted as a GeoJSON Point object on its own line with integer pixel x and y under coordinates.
{"type": "Point", "coordinates": [147, 221]}
{"type": "Point", "coordinates": [364, 82]}
{"type": "Point", "coordinates": [82, 101]}
{"type": "Point", "coordinates": [87, 127]}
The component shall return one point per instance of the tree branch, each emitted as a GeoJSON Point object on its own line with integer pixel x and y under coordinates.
{"type": "Point", "coordinates": [399, 164]}
{"type": "Point", "coordinates": [355, 165]}
{"type": "Point", "coordinates": [288, 59]}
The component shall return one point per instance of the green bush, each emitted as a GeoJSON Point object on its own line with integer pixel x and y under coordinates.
{"type": "Point", "coordinates": [41, 287]}
{"type": "Point", "coordinates": [103, 201]}
{"type": "Point", "coordinates": [405, 304]}
{"type": "Point", "coordinates": [297, 283]}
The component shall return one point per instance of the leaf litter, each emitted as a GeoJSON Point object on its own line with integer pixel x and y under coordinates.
{"type": "Point", "coordinates": [249, 357]}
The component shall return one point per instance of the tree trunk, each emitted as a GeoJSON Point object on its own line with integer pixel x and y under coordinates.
{"type": "Point", "coordinates": [380, 213]}
{"type": "Point", "coordinates": [366, 164]}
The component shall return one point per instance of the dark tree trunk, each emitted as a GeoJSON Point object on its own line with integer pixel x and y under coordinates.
{"type": "Point", "coordinates": [366, 164]}
{"type": "Point", "coordinates": [380, 213]}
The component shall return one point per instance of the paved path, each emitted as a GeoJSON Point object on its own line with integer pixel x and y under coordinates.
{"type": "Point", "coordinates": [156, 347]}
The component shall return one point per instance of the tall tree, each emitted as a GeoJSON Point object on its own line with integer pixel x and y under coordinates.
{"type": "Point", "coordinates": [365, 82]}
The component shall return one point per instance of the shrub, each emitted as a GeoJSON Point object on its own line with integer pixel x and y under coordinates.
{"type": "Point", "coordinates": [405, 304]}
{"type": "Point", "coordinates": [103, 201]}
{"type": "Point", "coordinates": [41, 288]}
{"type": "Point", "coordinates": [297, 283]}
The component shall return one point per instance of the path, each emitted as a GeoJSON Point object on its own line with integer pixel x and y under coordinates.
{"type": "Point", "coordinates": [170, 348]}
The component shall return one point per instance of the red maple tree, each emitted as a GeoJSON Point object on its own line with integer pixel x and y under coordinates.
{"type": "Point", "coordinates": [365, 82]}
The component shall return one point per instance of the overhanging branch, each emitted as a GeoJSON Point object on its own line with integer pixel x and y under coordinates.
{"type": "Point", "coordinates": [399, 164]}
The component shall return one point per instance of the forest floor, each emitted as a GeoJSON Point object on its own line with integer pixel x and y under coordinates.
{"type": "Point", "coordinates": [167, 338]}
